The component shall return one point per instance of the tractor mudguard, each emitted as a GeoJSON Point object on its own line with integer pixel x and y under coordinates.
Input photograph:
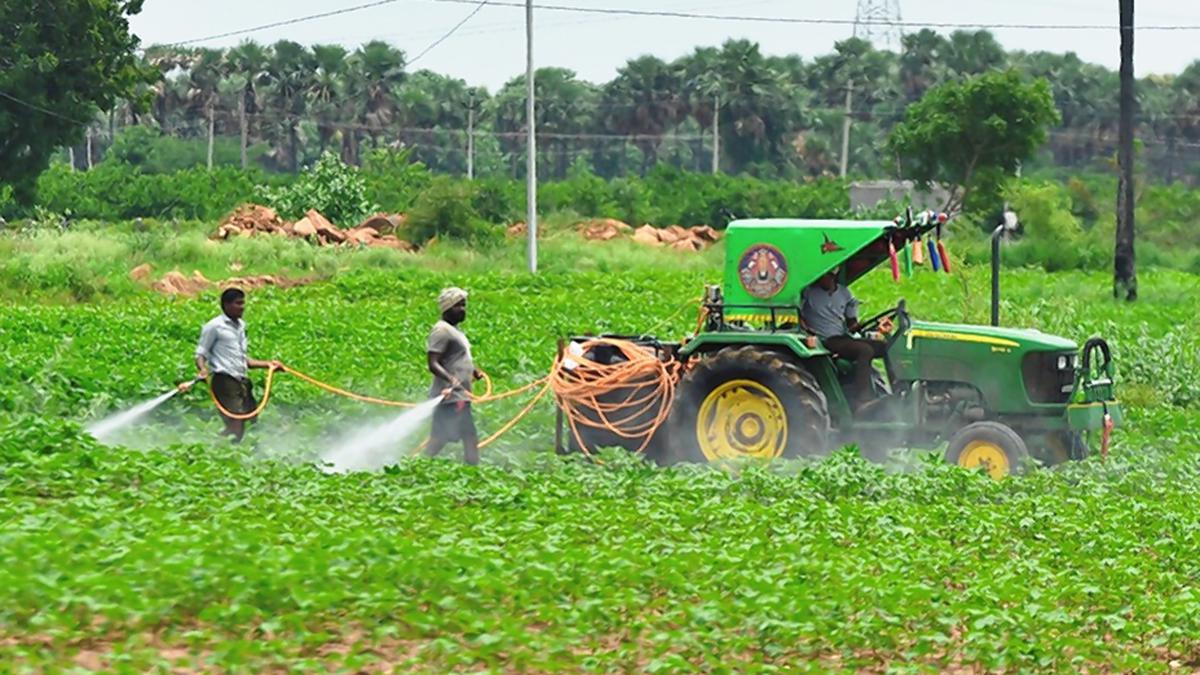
{"type": "Point", "coordinates": [792, 342]}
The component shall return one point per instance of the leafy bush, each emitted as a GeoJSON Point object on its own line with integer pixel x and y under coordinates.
{"type": "Point", "coordinates": [115, 191]}
{"type": "Point", "coordinates": [498, 200]}
{"type": "Point", "coordinates": [393, 180]}
{"type": "Point", "coordinates": [1053, 233]}
{"type": "Point", "coordinates": [446, 210]}
{"type": "Point", "coordinates": [332, 187]}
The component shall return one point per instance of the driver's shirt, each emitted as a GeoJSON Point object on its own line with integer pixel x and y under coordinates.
{"type": "Point", "coordinates": [826, 312]}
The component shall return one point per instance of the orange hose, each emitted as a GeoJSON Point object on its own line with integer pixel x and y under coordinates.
{"type": "Point", "coordinates": [254, 413]}
{"type": "Point", "coordinates": [579, 389]}
{"type": "Point", "coordinates": [348, 394]}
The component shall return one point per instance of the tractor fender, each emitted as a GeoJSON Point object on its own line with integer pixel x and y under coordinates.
{"type": "Point", "coordinates": [792, 343]}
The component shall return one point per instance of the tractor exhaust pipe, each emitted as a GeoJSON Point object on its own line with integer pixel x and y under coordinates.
{"type": "Point", "coordinates": [1008, 222]}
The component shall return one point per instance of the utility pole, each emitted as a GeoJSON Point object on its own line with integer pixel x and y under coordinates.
{"type": "Point", "coordinates": [89, 148]}
{"type": "Point", "coordinates": [243, 125]}
{"type": "Point", "coordinates": [846, 128]}
{"type": "Point", "coordinates": [471, 136]}
{"type": "Point", "coordinates": [716, 131]}
{"type": "Point", "coordinates": [531, 145]}
{"type": "Point", "coordinates": [71, 157]}
{"type": "Point", "coordinates": [1124, 270]}
{"type": "Point", "coordinates": [211, 128]}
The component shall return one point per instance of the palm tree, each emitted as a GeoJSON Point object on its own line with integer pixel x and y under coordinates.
{"type": "Point", "coordinates": [973, 52]}
{"type": "Point", "coordinates": [373, 73]}
{"type": "Point", "coordinates": [922, 62]}
{"type": "Point", "coordinates": [326, 96]}
{"type": "Point", "coordinates": [763, 112]}
{"type": "Point", "coordinates": [564, 108]}
{"type": "Point", "coordinates": [702, 91]}
{"type": "Point", "coordinates": [289, 73]}
{"type": "Point", "coordinates": [170, 93]}
{"type": "Point", "coordinates": [440, 107]}
{"type": "Point", "coordinates": [644, 102]}
{"type": "Point", "coordinates": [204, 79]}
{"type": "Point", "coordinates": [246, 64]}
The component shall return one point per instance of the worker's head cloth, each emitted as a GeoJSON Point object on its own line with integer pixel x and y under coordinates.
{"type": "Point", "coordinates": [450, 297]}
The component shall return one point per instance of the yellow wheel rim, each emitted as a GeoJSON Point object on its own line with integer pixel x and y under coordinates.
{"type": "Point", "coordinates": [741, 418]}
{"type": "Point", "coordinates": [986, 454]}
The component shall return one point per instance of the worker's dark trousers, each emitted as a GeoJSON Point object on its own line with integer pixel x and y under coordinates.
{"type": "Point", "coordinates": [860, 352]}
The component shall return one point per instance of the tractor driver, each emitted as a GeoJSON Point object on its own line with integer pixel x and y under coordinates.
{"type": "Point", "coordinates": [830, 312]}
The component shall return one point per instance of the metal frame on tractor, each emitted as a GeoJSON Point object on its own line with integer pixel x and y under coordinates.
{"type": "Point", "coordinates": [754, 388]}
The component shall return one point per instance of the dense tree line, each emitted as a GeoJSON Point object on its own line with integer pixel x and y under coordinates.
{"type": "Point", "coordinates": [777, 116]}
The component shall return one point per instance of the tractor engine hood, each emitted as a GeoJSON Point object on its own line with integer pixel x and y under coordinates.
{"type": "Point", "coordinates": [1022, 338]}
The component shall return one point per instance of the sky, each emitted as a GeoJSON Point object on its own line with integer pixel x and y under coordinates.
{"type": "Point", "coordinates": [489, 49]}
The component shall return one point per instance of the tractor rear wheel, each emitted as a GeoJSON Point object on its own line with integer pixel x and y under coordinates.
{"type": "Point", "coordinates": [991, 445]}
{"type": "Point", "coordinates": [747, 402]}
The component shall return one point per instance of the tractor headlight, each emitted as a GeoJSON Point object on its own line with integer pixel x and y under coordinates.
{"type": "Point", "coordinates": [1063, 362]}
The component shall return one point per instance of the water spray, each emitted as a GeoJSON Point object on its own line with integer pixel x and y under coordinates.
{"type": "Point", "coordinates": [376, 446]}
{"type": "Point", "coordinates": [105, 429]}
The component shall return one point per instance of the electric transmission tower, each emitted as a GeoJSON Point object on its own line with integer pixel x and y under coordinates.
{"type": "Point", "coordinates": [878, 22]}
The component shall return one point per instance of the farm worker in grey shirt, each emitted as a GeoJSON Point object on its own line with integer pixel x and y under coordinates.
{"type": "Point", "coordinates": [829, 311]}
{"type": "Point", "coordinates": [449, 357]}
{"type": "Point", "coordinates": [221, 353]}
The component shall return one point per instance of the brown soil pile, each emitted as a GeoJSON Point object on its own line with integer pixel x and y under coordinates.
{"type": "Point", "coordinates": [175, 283]}
{"type": "Point", "coordinates": [695, 238]}
{"type": "Point", "coordinates": [604, 229]}
{"type": "Point", "coordinates": [376, 231]}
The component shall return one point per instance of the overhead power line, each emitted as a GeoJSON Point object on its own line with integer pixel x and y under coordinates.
{"type": "Point", "coordinates": [40, 109]}
{"type": "Point", "coordinates": [287, 22]}
{"type": "Point", "coordinates": [614, 11]}
{"type": "Point", "coordinates": [818, 21]}
{"type": "Point", "coordinates": [448, 33]}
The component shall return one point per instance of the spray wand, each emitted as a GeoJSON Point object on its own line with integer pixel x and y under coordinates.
{"type": "Point", "coordinates": [188, 384]}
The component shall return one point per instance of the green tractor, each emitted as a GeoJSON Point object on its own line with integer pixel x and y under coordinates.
{"type": "Point", "coordinates": [753, 387]}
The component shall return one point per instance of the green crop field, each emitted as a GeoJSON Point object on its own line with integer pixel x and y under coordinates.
{"type": "Point", "coordinates": [174, 550]}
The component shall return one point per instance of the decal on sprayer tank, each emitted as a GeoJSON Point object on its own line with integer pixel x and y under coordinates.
{"type": "Point", "coordinates": [763, 270]}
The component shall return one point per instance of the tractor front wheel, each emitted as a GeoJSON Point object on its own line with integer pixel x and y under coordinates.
{"type": "Point", "coordinates": [747, 403]}
{"type": "Point", "coordinates": [991, 445]}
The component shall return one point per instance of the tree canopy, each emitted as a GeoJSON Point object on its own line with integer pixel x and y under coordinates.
{"type": "Point", "coordinates": [60, 62]}
{"type": "Point", "coordinates": [969, 135]}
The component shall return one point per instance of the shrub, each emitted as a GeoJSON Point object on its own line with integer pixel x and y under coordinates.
{"type": "Point", "coordinates": [446, 210]}
{"type": "Point", "coordinates": [332, 187]}
{"type": "Point", "coordinates": [1053, 234]}
{"type": "Point", "coordinates": [393, 180]}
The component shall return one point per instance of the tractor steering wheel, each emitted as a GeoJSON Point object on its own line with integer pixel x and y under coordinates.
{"type": "Point", "coordinates": [901, 323]}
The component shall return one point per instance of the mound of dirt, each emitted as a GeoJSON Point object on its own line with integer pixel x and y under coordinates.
{"type": "Point", "coordinates": [604, 229]}
{"type": "Point", "coordinates": [175, 283]}
{"type": "Point", "coordinates": [141, 273]}
{"type": "Point", "coordinates": [252, 219]}
{"type": "Point", "coordinates": [696, 238]}
{"type": "Point", "coordinates": [384, 223]}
